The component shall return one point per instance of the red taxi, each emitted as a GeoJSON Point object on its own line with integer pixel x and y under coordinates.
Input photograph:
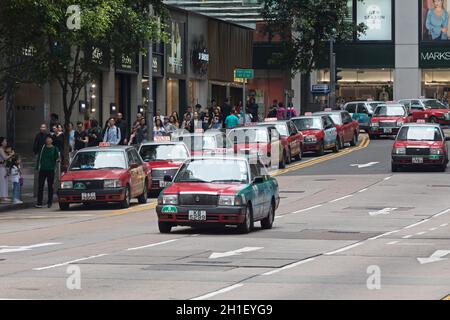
{"type": "Point", "coordinates": [262, 141]}
{"type": "Point", "coordinates": [347, 128]}
{"type": "Point", "coordinates": [420, 145]}
{"type": "Point", "coordinates": [104, 174]}
{"type": "Point", "coordinates": [319, 133]}
{"type": "Point", "coordinates": [291, 138]}
{"type": "Point", "coordinates": [387, 119]}
{"type": "Point", "coordinates": [431, 110]}
{"type": "Point", "coordinates": [163, 158]}
{"type": "Point", "coordinates": [211, 142]}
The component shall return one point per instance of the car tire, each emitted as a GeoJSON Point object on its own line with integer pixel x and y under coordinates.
{"type": "Point", "coordinates": [394, 167]}
{"type": "Point", "coordinates": [142, 199]}
{"type": "Point", "coordinates": [289, 156]}
{"type": "Point", "coordinates": [126, 202]}
{"type": "Point", "coordinates": [282, 164]}
{"type": "Point", "coordinates": [64, 206]}
{"type": "Point", "coordinates": [443, 168]}
{"type": "Point", "coordinates": [164, 227]}
{"type": "Point", "coordinates": [354, 141]}
{"type": "Point", "coordinates": [321, 151]}
{"type": "Point", "coordinates": [267, 222]}
{"type": "Point", "coordinates": [299, 156]}
{"type": "Point", "coordinates": [372, 137]}
{"type": "Point", "coordinates": [247, 225]}
{"type": "Point", "coordinates": [336, 146]}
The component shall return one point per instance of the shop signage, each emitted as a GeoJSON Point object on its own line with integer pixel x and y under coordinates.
{"type": "Point", "coordinates": [434, 57]}
{"type": "Point", "coordinates": [127, 64]}
{"type": "Point", "coordinates": [377, 16]}
{"type": "Point", "coordinates": [176, 48]}
{"type": "Point", "coordinates": [244, 73]}
{"type": "Point", "coordinates": [320, 89]}
{"type": "Point", "coordinates": [200, 58]}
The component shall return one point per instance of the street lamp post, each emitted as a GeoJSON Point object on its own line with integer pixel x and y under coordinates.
{"type": "Point", "coordinates": [150, 86]}
{"type": "Point", "coordinates": [332, 98]}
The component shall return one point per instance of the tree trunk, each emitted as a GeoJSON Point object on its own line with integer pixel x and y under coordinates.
{"type": "Point", "coordinates": [67, 117]}
{"type": "Point", "coordinates": [10, 115]}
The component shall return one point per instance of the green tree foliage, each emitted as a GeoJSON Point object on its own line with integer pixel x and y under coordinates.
{"type": "Point", "coordinates": [306, 27]}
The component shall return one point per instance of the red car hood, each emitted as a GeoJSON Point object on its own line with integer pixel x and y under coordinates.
{"type": "Point", "coordinates": [415, 144]}
{"type": "Point", "coordinates": [92, 175]}
{"type": "Point", "coordinates": [310, 132]}
{"type": "Point", "coordinates": [161, 164]}
{"type": "Point", "coordinates": [216, 188]}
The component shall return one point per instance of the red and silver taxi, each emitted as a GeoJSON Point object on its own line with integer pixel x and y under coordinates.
{"type": "Point", "coordinates": [291, 138]}
{"type": "Point", "coordinates": [163, 158]}
{"type": "Point", "coordinates": [387, 120]}
{"type": "Point", "coordinates": [319, 133]}
{"type": "Point", "coordinates": [347, 128]}
{"type": "Point", "coordinates": [431, 110]}
{"type": "Point", "coordinates": [105, 174]}
{"type": "Point", "coordinates": [420, 145]}
{"type": "Point", "coordinates": [228, 190]}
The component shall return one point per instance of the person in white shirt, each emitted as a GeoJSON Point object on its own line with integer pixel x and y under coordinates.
{"type": "Point", "coordinates": [112, 133]}
{"type": "Point", "coordinates": [15, 175]}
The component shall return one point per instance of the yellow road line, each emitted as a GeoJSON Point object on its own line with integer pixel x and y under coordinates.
{"type": "Point", "coordinates": [139, 208]}
{"type": "Point", "coordinates": [364, 144]}
{"type": "Point", "coordinates": [447, 298]}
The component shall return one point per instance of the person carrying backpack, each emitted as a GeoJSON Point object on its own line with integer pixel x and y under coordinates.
{"type": "Point", "coordinates": [112, 133]}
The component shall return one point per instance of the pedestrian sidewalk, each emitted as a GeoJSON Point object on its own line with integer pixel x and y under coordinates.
{"type": "Point", "coordinates": [27, 196]}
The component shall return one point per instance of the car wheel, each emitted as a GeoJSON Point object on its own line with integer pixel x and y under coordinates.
{"type": "Point", "coordinates": [336, 146]}
{"type": "Point", "coordinates": [299, 156]}
{"type": "Point", "coordinates": [372, 137]}
{"type": "Point", "coordinates": [354, 141]}
{"type": "Point", "coordinates": [144, 196]}
{"type": "Point", "coordinates": [282, 164]}
{"type": "Point", "coordinates": [443, 168]}
{"type": "Point", "coordinates": [164, 227]}
{"type": "Point", "coordinates": [126, 202]}
{"type": "Point", "coordinates": [394, 167]}
{"type": "Point", "coordinates": [321, 151]}
{"type": "Point", "coordinates": [247, 225]}
{"type": "Point", "coordinates": [64, 206]}
{"type": "Point", "coordinates": [289, 156]}
{"type": "Point", "coordinates": [267, 222]}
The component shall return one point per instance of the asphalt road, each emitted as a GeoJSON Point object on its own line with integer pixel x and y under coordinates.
{"type": "Point", "coordinates": [342, 232]}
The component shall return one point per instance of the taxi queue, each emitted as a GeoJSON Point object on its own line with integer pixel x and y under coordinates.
{"type": "Point", "coordinates": [221, 178]}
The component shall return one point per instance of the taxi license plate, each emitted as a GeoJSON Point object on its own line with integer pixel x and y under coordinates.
{"type": "Point", "coordinates": [88, 196]}
{"type": "Point", "coordinates": [163, 184]}
{"type": "Point", "coordinates": [387, 130]}
{"type": "Point", "coordinates": [197, 215]}
{"type": "Point", "coordinates": [417, 160]}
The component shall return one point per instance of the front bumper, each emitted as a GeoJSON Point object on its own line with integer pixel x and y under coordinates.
{"type": "Point", "coordinates": [311, 146]}
{"type": "Point", "coordinates": [382, 132]}
{"type": "Point", "coordinates": [429, 160]}
{"type": "Point", "coordinates": [214, 215]}
{"type": "Point", "coordinates": [108, 195]}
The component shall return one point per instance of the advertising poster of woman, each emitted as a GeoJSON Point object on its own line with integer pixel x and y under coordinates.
{"type": "Point", "coordinates": [435, 20]}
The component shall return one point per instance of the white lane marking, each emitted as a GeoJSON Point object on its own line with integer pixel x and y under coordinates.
{"type": "Point", "coordinates": [279, 217]}
{"type": "Point", "coordinates": [344, 249]}
{"type": "Point", "coordinates": [432, 229]}
{"type": "Point", "coordinates": [308, 209]}
{"type": "Point", "coordinates": [407, 237]}
{"type": "Point", "coordinates": [416, 224]}
{"type": "Point", "coordinates": [289, 266]}
{"type": "Point", "coordinates": [70, 262]}
{"type": "Point", "coordinates": [393, 242]}
{"type": "Point", "coordinates": [384, 234]}
{"type": "Point", "coordinates": [382, 212]}
{"type": "Point", "coordinates": [444, 225]}
{"type": "Point", "coordinates": [195, 235]}
{"type": "Point", "coordinates": [238, 252]}
{"type": "Point", "coordinates": [435, 257]}
{"type": "Point", "coordinates": [441, 213]}
{"type": "Point", "coordinates": [9, 249]}
{"type": "Point", "coordinates": [342, 198]}
{"type": "Point", "coordinates": [215, 293]}
{"type": "Point", "coordinates": [362, 166]}
{"type": "Point", "coordinates": [388, 178]}
{"type": "Point", "coordinates": [152, 245]}
{"type": "Point", "coordinates": [421, 233]}
{"type": "Point", "coordinates": [363, 190]}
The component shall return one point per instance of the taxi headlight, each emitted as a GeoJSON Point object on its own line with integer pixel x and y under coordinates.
{"type": "Point", "coordinates": [169, 199]}
{"type": "Point", "coordinates": [436, 151]}
{"type": "Point", "coordinates": [113, 183]}
{"type": "Point", "coordinates": [375, 124]}
{"type": "Point", "coordinates": [400, 123]}
{"type": "Point", "coordinates": [230, 201]}
{"type": "Point", "coordinates": [400, 150]}
{"type": "Point", "coordinates": [67, 185]}
{"type": "Point", "coordinates": [310, 139]}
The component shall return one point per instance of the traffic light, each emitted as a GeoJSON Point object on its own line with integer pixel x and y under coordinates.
{"type": "Point", "coordinates": [338, 77]}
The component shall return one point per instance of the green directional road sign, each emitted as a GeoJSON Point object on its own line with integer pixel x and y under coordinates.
{"type": "Point", "coordinates": [244, 73]}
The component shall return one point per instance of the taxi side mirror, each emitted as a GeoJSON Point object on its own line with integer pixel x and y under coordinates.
{"type": "Point", "coordinates": [258, 179]}
{"type": "Point", "coordinates": [167, 179]}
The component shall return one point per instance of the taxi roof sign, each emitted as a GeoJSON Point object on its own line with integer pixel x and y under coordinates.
{"type": "Point", "coordinates": [421, 121]}
{"type": "Point", "coordinates": [270, 119]}
{"type": "Point", "coordinates": [104, 144]}
{"type": "Point", "coordinates": [161, 138]}
{"type": "Point", "coordinates": [328, 109]}
{"type": "Point", "coordinates": [199, 131]}
{"type": "Point", "coordinates": [308, 113]}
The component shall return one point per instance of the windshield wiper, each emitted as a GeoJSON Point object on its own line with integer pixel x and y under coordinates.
{"type": "Point", "coordinates": [226, 181]}
{"type": "Point", "coordinates": [193, 181]}
{"type": "Point", "coordinates": [103, 168]}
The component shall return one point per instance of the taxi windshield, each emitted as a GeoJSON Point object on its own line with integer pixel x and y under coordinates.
{"type": "Point", "coordinates": [308, 124]}
{"type": "Point", "coordinates": [253, 135]}
{"type": "Point", "coordinates": [213, 171]}
{"type": "Point", "coordinates": [433, 104]}
{"type": "Point", "coordinates": [163, 152]}
{"type": "Point", "coordinates": [199, 143]}
{"type": "Point", "coordinates": [282, 129]}
{"type": "Point", "coordinates": [390, 111]}
{"type": "Point", "coordinates": [420, 134]}
{"type": "Point", "coordinates": [97, 160]}
{"type": "Point", "coordinates": [336, 118]}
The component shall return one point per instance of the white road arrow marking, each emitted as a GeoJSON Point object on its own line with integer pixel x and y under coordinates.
{"type": "Point", "coordinates": [435, 257]}
{"type": "Point", "coordinates": [217, 255]}
{"type": "Point", "coordinates": [9, 249]}
{"type": "Point", "coordinates": [362, 166]}
{"type": "Point", "coordinates": [383, 211]}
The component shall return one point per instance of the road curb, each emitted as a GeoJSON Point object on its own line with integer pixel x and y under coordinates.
{"type": "Point", "coordinates": [15, 207]}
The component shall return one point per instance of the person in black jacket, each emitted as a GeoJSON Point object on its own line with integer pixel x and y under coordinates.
{"type": "Point", "coordinates": [122, 125]}
{"type": "Point", "coordinates": [39, 140]}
